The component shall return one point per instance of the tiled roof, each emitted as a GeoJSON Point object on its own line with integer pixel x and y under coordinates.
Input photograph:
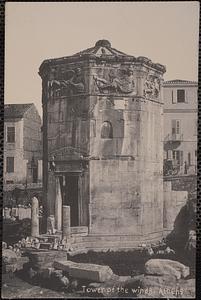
{"type": "Point", "coordinates": [16, 110]}
{"type": "Point", "coordinates": [179, 81]}
{"type": "Point", "coordinates": [102, 47]}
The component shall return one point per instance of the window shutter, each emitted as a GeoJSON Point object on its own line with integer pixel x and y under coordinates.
{"type": "Point", "coordinates": [181, 158]}
{"type": "Point", "coordinates": [169, 154]}
{"type": "Point", "coordinates": [174, 98]}
{"type": "Point", "coordinates": [174, 126]}
{"type": "Point", "coordinates": [178, 126]}
{"type": "Point", "coordinates": [186, 96]}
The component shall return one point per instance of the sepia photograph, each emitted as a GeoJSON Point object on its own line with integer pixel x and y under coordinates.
{"type": "Point", "coordinates": [100, 150]}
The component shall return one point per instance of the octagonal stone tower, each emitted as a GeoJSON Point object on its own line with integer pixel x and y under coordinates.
{"type": "Point", "coordinates": [103, 144]}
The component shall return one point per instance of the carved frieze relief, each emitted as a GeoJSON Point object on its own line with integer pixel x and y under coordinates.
{"type": "Point", "coordinates": [66, 83]}
{"type": "Point", "coordinates": [152, 87]}
{"type": "Point", "coordinates": [115, 81]}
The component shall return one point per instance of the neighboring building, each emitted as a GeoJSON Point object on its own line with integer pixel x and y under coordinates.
{"type": "Point", "coordinates": [22, 144]}
{"type": "Point", "coordinates": [180, 127]}
{"type": "Point", "coordinates": [103, 146]}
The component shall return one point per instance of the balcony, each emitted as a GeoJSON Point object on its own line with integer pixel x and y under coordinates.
{"type": "Point", "coordinates": [174, 137]}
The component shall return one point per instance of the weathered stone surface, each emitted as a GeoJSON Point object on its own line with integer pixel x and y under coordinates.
{"type": "Point", "coordinates": [85, 271]}
{"type": "Point", "coordinates": [66, 222]}
{"type": "Point", "coordinates": [21, 261]}
{"type": "Point", "coordinates": [44, 259]}
{"type": "Point", "coordinates": [9, 256]}
{"type": "Point", "coordinates": [166, 267]}
{"type": "Point", "coordinates": [34, 217]}
{"type": "Point", "coordinates": [120, 135]}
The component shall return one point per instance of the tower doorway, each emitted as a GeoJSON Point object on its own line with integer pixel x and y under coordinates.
{"type": "Point", "coordinates": [70, 197]}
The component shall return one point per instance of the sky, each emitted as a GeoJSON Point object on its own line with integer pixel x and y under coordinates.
{"type": "Point", "coordinates": [165, 32]}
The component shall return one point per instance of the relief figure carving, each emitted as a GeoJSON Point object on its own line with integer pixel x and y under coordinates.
{"type": "Point", "coordinates": [123, 83]}
{"type": "Point", "coordinates": [151, 87]}
{"type": "Point", "coordinates": [73, 83]}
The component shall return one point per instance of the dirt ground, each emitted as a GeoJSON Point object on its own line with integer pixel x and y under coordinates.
{"type": "Point", "coordinates": [16, 288]}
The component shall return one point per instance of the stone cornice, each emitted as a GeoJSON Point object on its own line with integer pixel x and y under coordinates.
{"type": "Point", "coordinates": [110, 59]}
{"type": "Point", "coordinates": [180, 110]}
{"type": "Point", "coordinates": [109, 54]}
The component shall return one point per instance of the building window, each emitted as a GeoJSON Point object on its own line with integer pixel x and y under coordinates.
{"type": "Point", "coordinates": [176, 126]}
{"type": "Point", "coordinates": [180, 96]}
{"type": "Point", "coordinates": [177, 157]}
{"type": "Point", "coordinates": [74, 133]}
{"type": "Point", "coordinates": [106, 130]}
{"type": "Point", "coordinates": [9, 164]}
{"type": "Point", "coordinates": [11, 134]}
{"type": "Point", "coordinates": [189, 159]}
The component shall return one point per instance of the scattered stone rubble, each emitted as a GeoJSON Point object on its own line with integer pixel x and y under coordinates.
{"type": "Point", "coordinates": [162, 278]}
{"type": "Point", "coordinates": [158, 281]}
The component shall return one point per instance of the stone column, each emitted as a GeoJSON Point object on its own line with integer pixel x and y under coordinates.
{"type": "Point", "coordinates": [34, 217]}
{"type": "Point", "coordinates": [65, 222]}
{"type": "Point", "coordinates": [51, 194]}
{"type": "Point", "coordinates": [58, 205]}
{"type": "Point", "coordinates": [51, 224]}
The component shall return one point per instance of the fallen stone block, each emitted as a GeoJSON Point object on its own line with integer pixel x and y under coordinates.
{"type": "Point", "coordinates": [9, 256]}
{"type": "Point", "coordinates": [86, 271]}
{"type": "Point", "coordinates": [166, 267]}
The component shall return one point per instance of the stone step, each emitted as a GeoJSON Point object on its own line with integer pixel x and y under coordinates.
{"type": "Point", "coordinates": [119, 238]}
{"type": "Point", "coordinates": [89, 243]}
{"type": "Point", "coordinates": [107, 245]}
{"type": "Point", "coordinates": [79, 231]}
{"type": "Point", "coordinates": [77, 251]}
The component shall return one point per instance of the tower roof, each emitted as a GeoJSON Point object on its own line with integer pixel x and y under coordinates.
{"type": "Point", "coordinates": [102, 47]}
{"type": "Point", "coordinates": [102, 50]}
